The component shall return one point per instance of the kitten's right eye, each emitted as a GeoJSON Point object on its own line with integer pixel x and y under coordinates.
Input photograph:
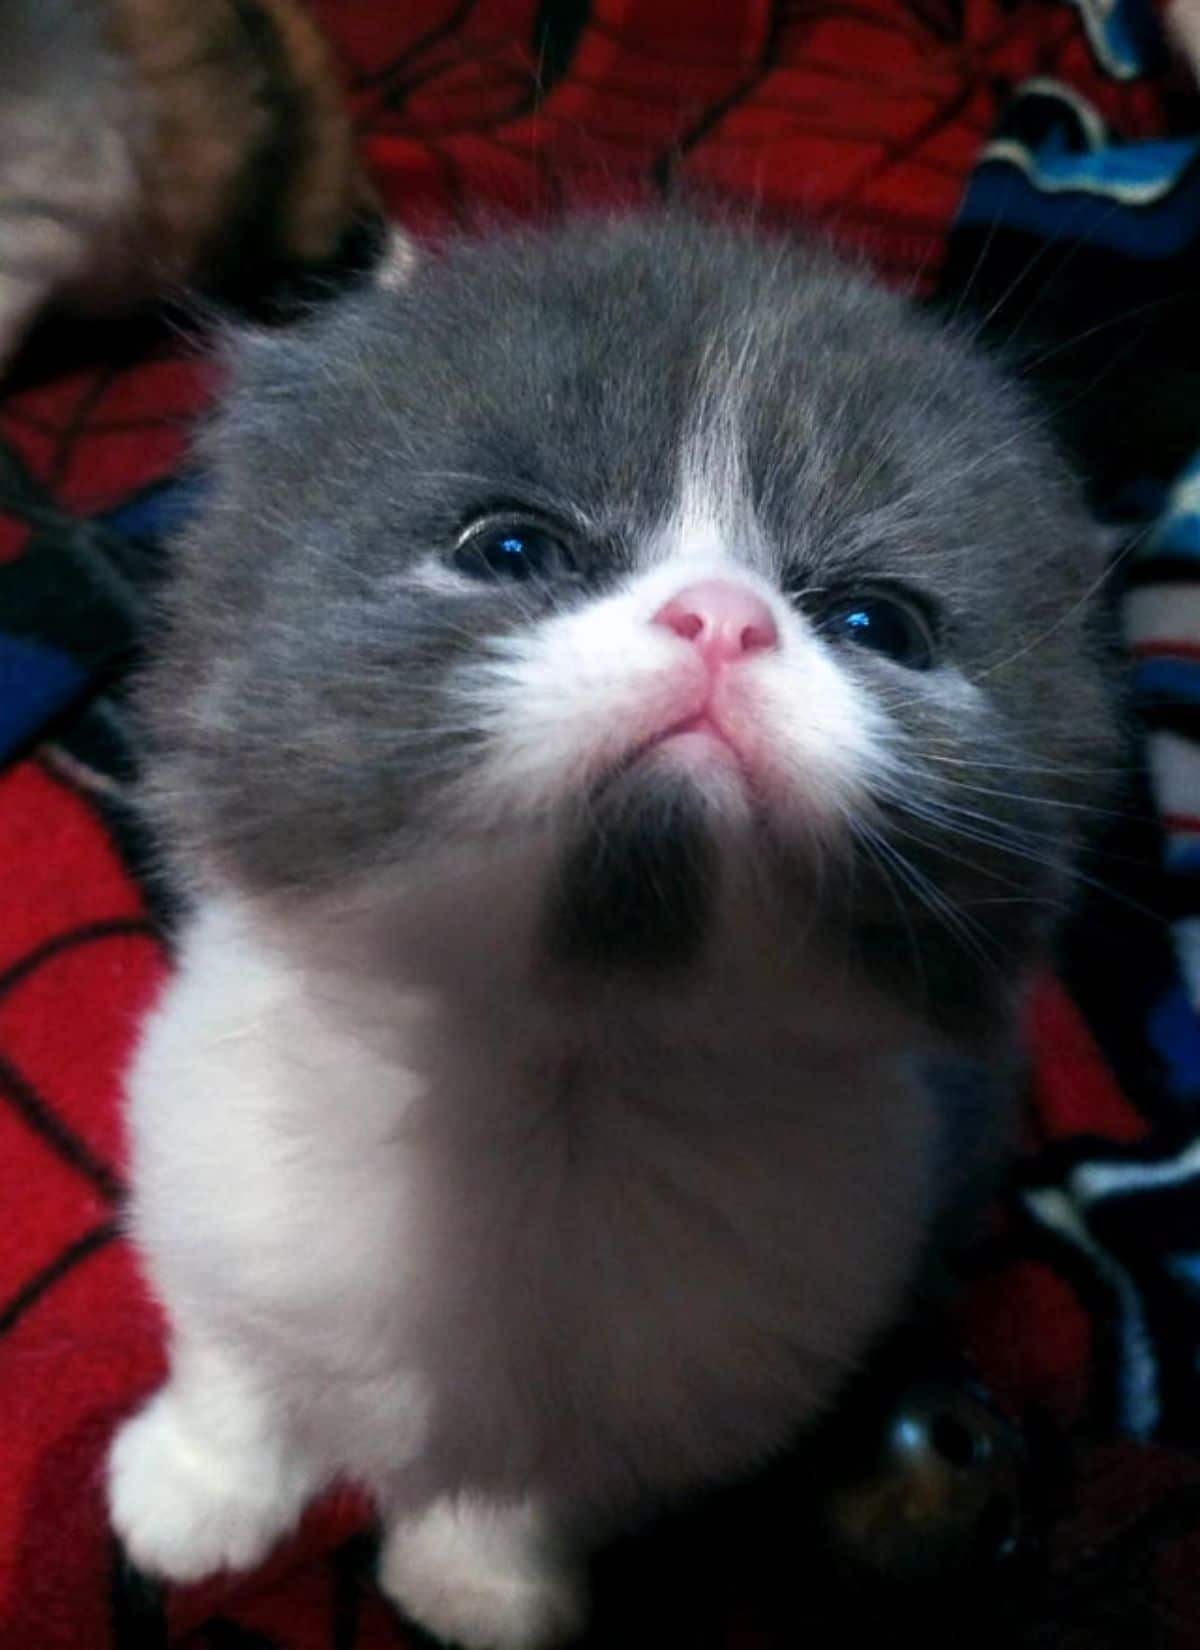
{"type": "Point", "coordinates": [513, 550]}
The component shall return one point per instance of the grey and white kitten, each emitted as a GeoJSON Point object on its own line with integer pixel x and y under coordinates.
{"type": "Point", "coordinates": [623, 716]}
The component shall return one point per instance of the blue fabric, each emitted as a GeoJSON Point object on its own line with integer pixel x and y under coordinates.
{"type": "Point", "coordinates": [1175, 1034]}
{"type": "Point", "coordinates": [1088, 248]}
{"type": "Point", "coordinates": [1183, 859]}
{"type": "Point", "coordinates": [1057, 195]}
{"type": "Point", "coordinates": [1122, 35]}
{"type": "Point", "coordinates": [1167, 681]}
{"type": "Point", "coordinates": [72, 605]}
{"type": "Point", "coordinates": [158, 512]}
{"type": "Point", "coordinates": [37, 682]}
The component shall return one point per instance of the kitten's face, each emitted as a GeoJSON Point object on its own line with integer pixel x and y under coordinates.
{"type": "Point", "coordinates": [683, 561]}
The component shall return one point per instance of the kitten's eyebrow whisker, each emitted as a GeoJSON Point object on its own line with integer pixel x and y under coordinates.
{"type": "Point", "coordinates": [1048, 420]}
{"type": "Point", "coordinates": [1106, 573]}
{"type": "Point", "coordinates": [1045, 421]}
{"type": "Point", "coordinates": [1112, 566]}
{"type": "Point", "coordinates": [1049, 245]}
{"type": "Point", "coordinates": [980, 260]}
{"type": "Point", "coordinates": [1027, 367]}
{"type": "Point", "coordinates": [507, 494]}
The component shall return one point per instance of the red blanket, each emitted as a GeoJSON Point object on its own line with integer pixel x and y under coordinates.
{"type": "Point", "coordinates": [863, 115]}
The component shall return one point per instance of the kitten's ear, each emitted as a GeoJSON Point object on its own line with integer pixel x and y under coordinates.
{"type": "Point", "coordinates": [268, 381]}
{"type": "Point", "coordinates": [398, 260]}
{"type": "Point", "coordinates": [281, 387]}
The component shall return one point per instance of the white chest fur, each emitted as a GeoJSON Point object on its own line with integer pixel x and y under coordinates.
{"type": "Point", "coordinates": [463, 1250]}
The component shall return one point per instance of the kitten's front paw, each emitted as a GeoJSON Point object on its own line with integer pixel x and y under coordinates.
{"type": "Point", "coordinates": [184, 1511]}
{"type": "Point", "coordinates": [482, 1578]}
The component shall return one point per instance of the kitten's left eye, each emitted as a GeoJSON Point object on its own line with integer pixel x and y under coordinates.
{"type": "Point", "coordinates": [883, 623]}
{"type": "Point", "coordinates": [512, 550]}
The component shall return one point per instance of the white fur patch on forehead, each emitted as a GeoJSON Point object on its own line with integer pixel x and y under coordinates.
{"type": "Point", "coordinates": [713, 516]}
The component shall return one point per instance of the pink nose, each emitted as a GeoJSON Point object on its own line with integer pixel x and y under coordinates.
{"type": "Point", "coordinates": [724, 620]}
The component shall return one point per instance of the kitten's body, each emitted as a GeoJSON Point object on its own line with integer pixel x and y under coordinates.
{"type": "Point", "coordinates": [537, 1244]}
{"type": "Point", "coordinates": [148, 145]}
{"type": "Point", "coordinates": [450, 1180]}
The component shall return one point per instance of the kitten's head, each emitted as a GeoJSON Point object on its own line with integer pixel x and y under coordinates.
{"type": "Point", "coordinates": [674, 561]}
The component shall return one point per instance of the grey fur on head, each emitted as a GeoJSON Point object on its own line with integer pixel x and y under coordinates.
{"type": "Point", "coordinates": [307, 713]}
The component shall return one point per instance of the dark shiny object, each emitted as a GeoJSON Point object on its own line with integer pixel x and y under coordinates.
{"type": "Point", "coordinates": [944, 1493]}
{"type": "Point", "coordinates": [883, 623]}
{"type": "Point", "coordinates": [512, 549]}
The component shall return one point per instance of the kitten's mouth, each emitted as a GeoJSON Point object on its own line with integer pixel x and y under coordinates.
{"type": "Point", "coordinates": [700, 746]}
{"type": "Point", "coordinates": [698, 742]}
{"type": "Point", "coordinates": [703, 723]}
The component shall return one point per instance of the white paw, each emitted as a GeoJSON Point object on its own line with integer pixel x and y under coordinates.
{"type": "Point", "coordinates": [481, 1579]}
{"type": "Point", "coordinates": [183, 1511]}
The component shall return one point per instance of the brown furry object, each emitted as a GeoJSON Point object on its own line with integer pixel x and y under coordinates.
{"type": "Point", "coordinates": [1183, 26]}
{"type": "Point", "coordinates": [149, 145]}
